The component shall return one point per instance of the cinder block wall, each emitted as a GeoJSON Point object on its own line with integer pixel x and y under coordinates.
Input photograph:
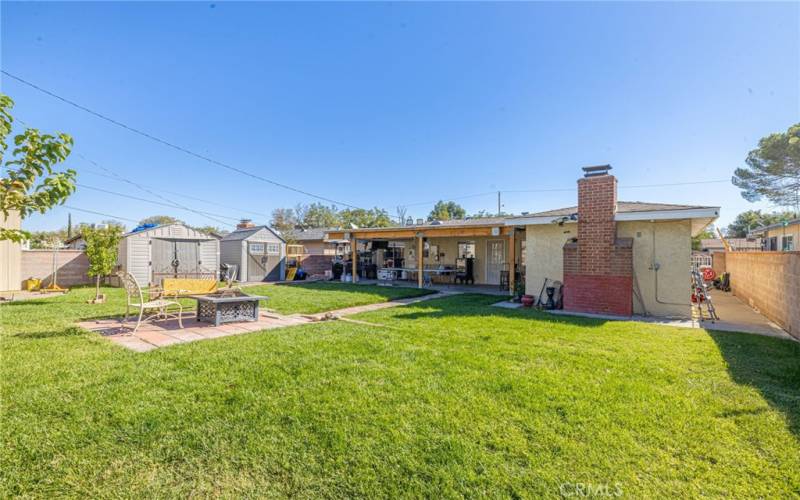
{"type": "Point", "coordinates": [769, 281]}
{"type": "Point", "coordinates": [72, 266]}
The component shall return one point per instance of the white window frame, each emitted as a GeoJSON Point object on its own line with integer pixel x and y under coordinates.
{"type": "Point", "coordinates": [273, 249]}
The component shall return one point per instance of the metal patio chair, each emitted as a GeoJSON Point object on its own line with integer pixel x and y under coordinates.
{"type": "Point", "coordinates": [157, 309]}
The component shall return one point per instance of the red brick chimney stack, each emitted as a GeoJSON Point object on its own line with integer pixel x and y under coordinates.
{"type": "Point", "coordinates": [597, 231]}
{"type": "Point", "coordinates": [245, 224]}
{"type": "Point", "coordinates": [598, 269]}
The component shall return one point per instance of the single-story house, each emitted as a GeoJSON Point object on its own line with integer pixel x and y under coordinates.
{"type": "Point", "coordinates": [613, 257]}
{"type": "Point", "coordinates": [151, 252]}
{"type": "Point", "coordinates": [783, 236]}
{"type": "Point", "coordinates": [76, 242]}
{"type": "Point", "coordinates": [312, 251]}
{"type": "Point", "coordinates": [258, 252]}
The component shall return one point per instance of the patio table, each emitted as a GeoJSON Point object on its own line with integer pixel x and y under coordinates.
{"type": "Point", "coordinates": [219, 309]}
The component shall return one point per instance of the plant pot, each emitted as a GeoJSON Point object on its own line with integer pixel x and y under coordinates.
{"type": "Point", "coordinates": [528, 300]}
{"type": "Point", "coordinates": [99, 300]}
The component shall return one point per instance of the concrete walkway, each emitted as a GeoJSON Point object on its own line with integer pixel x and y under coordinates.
{"type": "Point", "coordinates": [151, 336]}
{"type": "Point", "coordinates": [735, 316]}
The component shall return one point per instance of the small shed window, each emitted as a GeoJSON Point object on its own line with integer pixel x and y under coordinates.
{"type": "Point", "coordinates": [257, 248]}
{"type": "Point", "coordinates": [788, 243]}
{"type": "Point", "coordinates": [466, 249]}
{"type": "Point", "coordinates": [273, 249]}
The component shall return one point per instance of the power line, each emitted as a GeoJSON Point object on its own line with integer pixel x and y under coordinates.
{"type": "Point", "coordinates": [205, 214]}
{"type": "Point", "coordinates": [173, 193]}
{"type": "Point", "coordinates": [172, 145]}
{"type": "Point", "coordinates": [208, 215]}
{"type": "Point", "coordinates": [99, 213]}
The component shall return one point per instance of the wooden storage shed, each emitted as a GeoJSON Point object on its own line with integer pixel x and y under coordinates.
{"type": "Point", "coordinates": [258, 252]}
{"type": "Point", "coordinates": [151, 253]}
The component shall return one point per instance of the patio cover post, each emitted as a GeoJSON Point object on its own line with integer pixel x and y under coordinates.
{"type": "Point", "coordinates": [354, 249]}
{"type": "Point", "coordinates": [512, 257]}
{"type": "Point", "coordinates": [419, 260]}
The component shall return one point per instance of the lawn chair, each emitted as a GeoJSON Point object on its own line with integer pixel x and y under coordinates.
{"type": "Point", "coordinates": [158, 308]}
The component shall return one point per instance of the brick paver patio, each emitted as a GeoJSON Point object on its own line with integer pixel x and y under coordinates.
{"type": "Point", "coordinates": [151, 336]}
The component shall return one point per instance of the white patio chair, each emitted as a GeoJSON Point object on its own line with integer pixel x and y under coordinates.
{"type": "Point", "coordinates": [158, 308]}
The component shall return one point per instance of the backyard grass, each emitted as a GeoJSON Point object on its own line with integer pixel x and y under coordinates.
{"type": "Point", "coordinates": [446, 398]}
{"type": "Point", "coordinates": [322, 296]}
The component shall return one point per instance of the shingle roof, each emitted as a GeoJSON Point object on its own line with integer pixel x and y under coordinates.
{"type": "Point", "coordinates": [622, 207]}
{"type": "Point", "coordinates": [317, 233]}
{"type": "Point", "coordinates": [775, 226]}
{"type": "Point", "coordinates": [243, 234]}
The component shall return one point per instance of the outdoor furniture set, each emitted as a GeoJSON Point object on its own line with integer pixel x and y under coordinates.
{"type": "Point", "coordinates": [214, 306]}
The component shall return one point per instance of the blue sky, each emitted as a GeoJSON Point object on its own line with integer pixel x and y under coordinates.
{"type": "Point", "coordinates": [397, 104]}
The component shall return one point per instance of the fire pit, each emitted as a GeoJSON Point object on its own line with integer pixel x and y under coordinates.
{"type": "Point", "coordinates": [227, 306]}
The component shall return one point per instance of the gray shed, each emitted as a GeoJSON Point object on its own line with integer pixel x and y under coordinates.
{"type": "Point", "coordinates": [258, 252]}
{"type": "Point", "coordinates": [168, 251]}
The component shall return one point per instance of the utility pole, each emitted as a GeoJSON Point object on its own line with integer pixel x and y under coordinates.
{"type": "Point", "coordinates": [69, 225]}
{"type": "Point", "coordinates": [498, 204]}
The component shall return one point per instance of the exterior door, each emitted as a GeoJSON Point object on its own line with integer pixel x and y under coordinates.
{"type": "Point", "coordinates": [495, 258]}
{"type": "Point", "coordinates": [174, 258]}
{"type": "Point", "coordinates": [256, 262]}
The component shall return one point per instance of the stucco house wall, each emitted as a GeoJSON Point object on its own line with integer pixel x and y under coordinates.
{"type": "Point", "coordinates": [10, 255]}
{"type": "Point", "coordinates": [545, 259]}
{"type": "Point", "coordinates": [666, 242]}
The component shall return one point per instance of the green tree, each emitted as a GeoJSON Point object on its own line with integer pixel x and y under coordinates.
{"type": "Point", "coordinates": [159, 220]}
{"type": "Point", "coordinates": [319, 215]}
{"type": "Point", "coordinates": [773, 170]}
{"type": "Point", "coordinates": [101, 249]}
{"type": "Point", "coordinates": [705, 234]}
{"type": "Point", "coordinates": [284, 220]}
{"type": "Point", "coordinates": [447, 211]}
{"type": "Point", "coordinates": [30, 183]}
{"type": "Point", "coordinates": [752, 219]}
{"type": "Point", "coordinates": [359, 217]}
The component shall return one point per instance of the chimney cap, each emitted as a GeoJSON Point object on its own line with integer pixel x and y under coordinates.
{"type": "Point", "coordinates": [596, 170]}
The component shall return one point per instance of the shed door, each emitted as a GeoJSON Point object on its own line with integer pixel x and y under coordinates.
{"type": "Point", "coordinates": [495, 257]}
{"type": "Point", "coordinates": [263, 261]}
{"type": "Point", "coordinates": [174, 258]}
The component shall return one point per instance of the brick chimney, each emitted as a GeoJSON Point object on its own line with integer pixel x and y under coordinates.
{"type": "Point", "coordinates": [245, 224]}
{"type": "Point", "coordinates": [598, 268]}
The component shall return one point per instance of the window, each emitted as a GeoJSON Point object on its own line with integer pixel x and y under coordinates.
{"type": "Point", "coordinates": [466, 249]}
{"type": "Point", "coordinates": [256, 248]}
{"type": "Point", "coordinates": [273, 249]}
{"type": "Point", "coordinates": [788, 243]}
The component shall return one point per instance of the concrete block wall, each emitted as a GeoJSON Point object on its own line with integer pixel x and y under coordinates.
{"type": "Point", "coordinates": [770, 282]}
{"type": "Point", "coordinates": [718, 263]}
{"type": "Point", "coordinates": [316, 265]}
{"type": "Point", "coordinates": [72, 266]}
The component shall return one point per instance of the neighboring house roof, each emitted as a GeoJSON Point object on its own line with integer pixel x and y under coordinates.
{"type": "Point", "coordinates": [764, 229]}
{"type": "Point", "coordinates": [243, 234]}
{"type": "Point", "coordinates": [313, 234]}
{"type": "Point", "coordinates": [712, 244]}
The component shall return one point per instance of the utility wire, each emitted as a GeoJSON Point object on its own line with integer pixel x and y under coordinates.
{"type": "Point", "coordinates": [174, 204]}
{"type": "Point", "coordinates": [99, 213]}
{"type": "Point", "coordinates": [173, 193]}
{"type": "Point", "coordinates": [205, 214]}
{"type": "Point", "coordinates": [172, 145]}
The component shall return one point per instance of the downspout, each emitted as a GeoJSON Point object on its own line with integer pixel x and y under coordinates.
{"type": "Point", "coordinates": [654, 266]}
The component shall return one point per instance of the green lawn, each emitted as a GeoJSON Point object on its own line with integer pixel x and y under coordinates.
{"type": "Point", "coordinates": [445, 398]}
{"type": "Point", "coordinates": [320, 296]}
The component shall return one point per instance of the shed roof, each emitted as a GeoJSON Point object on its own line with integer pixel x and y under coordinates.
{"type": "Point", "coordinates": [243, 234]}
